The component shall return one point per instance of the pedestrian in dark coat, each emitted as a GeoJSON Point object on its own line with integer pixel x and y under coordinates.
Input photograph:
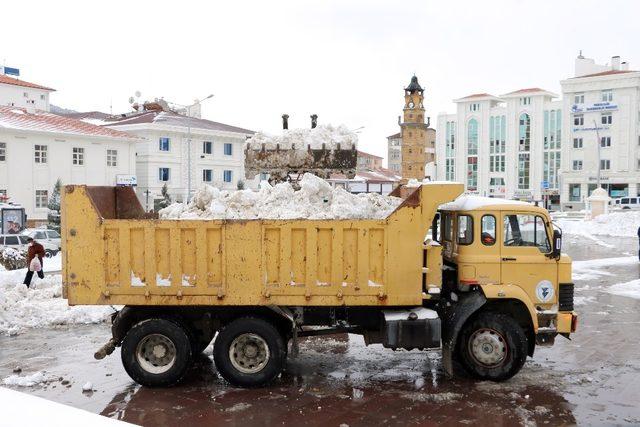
{"type": "Point", "coordinates": [35, 250]}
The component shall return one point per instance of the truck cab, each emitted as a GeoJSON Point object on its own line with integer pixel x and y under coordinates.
{"type": "Point", "coordinates": [509, 253]}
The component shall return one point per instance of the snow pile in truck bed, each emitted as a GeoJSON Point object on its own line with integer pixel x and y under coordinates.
{"type": "Point", "coordinates": [22, 308]}
{"type": "Point", "coordinates": [328, 135]}
{"type": "Point", "coordinates": [316, 199]}
{"type": "Point", "coordinates": [618, 224]}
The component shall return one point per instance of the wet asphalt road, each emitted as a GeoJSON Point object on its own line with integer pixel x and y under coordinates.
{"type": "Point", "coordinates": [592, 380]}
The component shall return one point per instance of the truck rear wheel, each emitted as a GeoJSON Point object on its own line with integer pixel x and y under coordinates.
{"type": "Point", "coordinates": [156, 352]}
{"type": "Point", "coordinates": [493, 347]}
{"type": "Point", "coordinates": [249, 352]}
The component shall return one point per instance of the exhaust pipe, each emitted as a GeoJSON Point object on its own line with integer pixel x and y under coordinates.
{"type": "Point", "coordinates": [314, 121]}
{"type": "Point", "coordinates": [285, 121]}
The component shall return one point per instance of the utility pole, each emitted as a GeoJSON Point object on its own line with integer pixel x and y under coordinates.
{"type": "Point", "coordinates": [595, 125]}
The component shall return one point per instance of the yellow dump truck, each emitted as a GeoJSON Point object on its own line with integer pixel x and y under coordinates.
{"type": "Point", "coordinates": [487, 282]}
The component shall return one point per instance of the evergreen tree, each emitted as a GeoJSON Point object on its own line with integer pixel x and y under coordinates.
{"type": "Point", "coordinates": [166, 198]}
{"type": "Point", "coordinates": [53, 217]}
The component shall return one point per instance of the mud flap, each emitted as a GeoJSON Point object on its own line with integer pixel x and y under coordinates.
{"type": "Point", "coordinates": [454, 317]}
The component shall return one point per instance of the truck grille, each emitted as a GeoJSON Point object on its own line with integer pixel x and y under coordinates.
{"type": "Point", "coordinates": [565, 297]}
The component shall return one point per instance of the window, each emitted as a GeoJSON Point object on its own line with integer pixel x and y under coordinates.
{"type": "Point", "coordinates": [11, 240]}
{"type": "Point", "coordinates": [578, 120]}
{"type": "Point", "coordinates": [42, 199]}
{"type": "Point", "coordinates": [25, 94]}
{"type": "Point", "coordinates": [526, 230]}
{"type": "Point", "coordinates": [637, 167]}
{"type": "Point", "coordinates": [488, 233]}
{"type": "Point", "coordinates": [606, 118]}
{"type": "Point", "coordinates": [41, 154]}
{"type": "Point", "coordinates": [525, 100]}
{"type": "Point", "coordinates": [607, 95]}
{"type": "Point", "coordinates": [207, 175]}
{"type": "Point", "coordinates": [164, 144]}
{"type": "Point", "coordinates": [605, 141]}
{"type": "Point", "coordinates": [577, 142]}
{"type": "Point", "coordinates": [228, 149]}
{"type": "Point", "coordinates": [465, 230]}
{"type": "Point", "coordinates": [447, 228]}
{"type": "Point", "coordinates": [497, 144]}
{"type": "Point", "coordinates": [42, 97]}
{"type": "Point", "coordinates": [577, 165]}
{"type": "Point", "coordinates": [164, 174]}
{"type": "Point", "coordinates": [578, 98]}
{"type": "Point", "coordinates": [112, 158]}
{"type": "Point", "coordinates": [228, 175]}
{"type": "Point", "coordinates": [207, 147]}
{"type": "Point", "coordinates": [53, 234]}
{"type": "Point", "coordinates": [3, 194]}
{"type": "Point", "coordinates": [524, 146]}
{"type": "Point", "coordinates": [78, 156]}
{"type": "Point", "coordinates": [474, 107]}
{"type": "Point", "coordinates": [3, 151]}
{"type": "Point", "coordinates": [40, 235]}
{"type": "Point", "coordinates": [605, 164]}
{"type": "Point", "coordinates": [574, 192]}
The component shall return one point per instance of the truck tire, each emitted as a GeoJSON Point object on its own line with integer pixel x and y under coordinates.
{"type": "Point", "coordinates": [492, 346]}
{"type": "Point", "coordinates": [156, 352]}
{"type": "Point", "coordinates": [249, 352]}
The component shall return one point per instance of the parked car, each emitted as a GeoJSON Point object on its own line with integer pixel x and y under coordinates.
{"type": "Point", "coordinates": [44, 235]}
{"type": "Point", "coordinates": [19, 242]}
{"type": "Point", "coordinates": [626, 203]}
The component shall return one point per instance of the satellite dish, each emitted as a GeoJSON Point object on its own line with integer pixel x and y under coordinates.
{"type": "Point", "coordinates": [138, 94]}
{"type": "Point", "coordinates": [131, 100]}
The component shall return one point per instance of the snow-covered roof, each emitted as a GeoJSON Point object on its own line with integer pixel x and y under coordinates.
{"type": "Point", "coordinates": [478, 97]}
{"type": "Point", "coordinates": [170, 118]}
{"type": "Point", "coordinates": [324, 135]}
{"type": "Point", "coordinates": [529, 91]}
{"type": "Point", "coordinates": [17, 82]}
{"type": "Point", "coordinates": [42, 121]}
{"type": "Point", "coordinates": [469, 203]}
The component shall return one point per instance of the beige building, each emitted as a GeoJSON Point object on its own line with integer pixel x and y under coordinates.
{"type": "Point", "coordinates": [411, 152]}
{"type": "Point", "coordinates": [367, 161]}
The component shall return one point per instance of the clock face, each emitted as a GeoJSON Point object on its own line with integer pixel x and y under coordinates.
{"type": "Point", "coordinates": [411, 104]}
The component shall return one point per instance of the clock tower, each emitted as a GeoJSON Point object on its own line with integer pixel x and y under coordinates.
{"type": "Point", "coordinates": [414, 133]}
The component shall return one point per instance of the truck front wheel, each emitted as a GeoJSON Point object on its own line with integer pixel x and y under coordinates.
{"type": "Point", "coordinates": [492, 346]}
{"type": "Point", "coordinates": [249, 352]}
{"type": "Point", "coordinates": [156, 352]}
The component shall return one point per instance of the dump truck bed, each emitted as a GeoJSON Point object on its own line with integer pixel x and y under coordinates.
{"type": "Point", "coordinates": [112, 254]}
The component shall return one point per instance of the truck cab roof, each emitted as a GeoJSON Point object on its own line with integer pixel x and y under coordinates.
{"type": "Point", "coordinates": [475, 203]}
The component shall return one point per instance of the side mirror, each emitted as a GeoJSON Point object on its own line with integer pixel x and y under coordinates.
{"type": "Point", "coordinates": [557, 244]}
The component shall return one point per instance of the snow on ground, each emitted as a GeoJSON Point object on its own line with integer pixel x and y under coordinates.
{"type": "Point", "coordinates": [594, 268]}
{"type": "Point", "coordinates": [22, 308]}
{"type": "Point", "coordinates": [20, 409]}
{"type": "Point", "coordinates": [628, 289]}
{"type": "Point", "coordinates": [25, 380]}
{"type": "Point", "coordinates": [49, 264]}
{"type": "Point", "coordinates": [328, 135]}
{"type": "Point", "coordinates": [316, 199]}
{"type": "Point", "coordinates": [619, 224]}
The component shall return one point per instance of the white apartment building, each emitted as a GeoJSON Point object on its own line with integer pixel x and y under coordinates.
{"type": "Point", "coordinates": [182, 152]}
{"type": "Point", "coordinates": [18, 93]}
{"type": "Point", "coordinates": [37, 148]}
{"type": "Point", "coordinates": [602, 128]}
{"type": "Point", "coordinates": [503, 146]}
{"type": "Point", "coordinates": [527, 145]}
{"type": "Point", "coordinates": [394, 153]}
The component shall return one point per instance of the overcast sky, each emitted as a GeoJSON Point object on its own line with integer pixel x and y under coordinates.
{"type": "Point", "coordinates": [347, 61]}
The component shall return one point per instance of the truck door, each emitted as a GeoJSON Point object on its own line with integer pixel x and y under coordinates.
{"type": "Point", "coordinates": [525, 242]}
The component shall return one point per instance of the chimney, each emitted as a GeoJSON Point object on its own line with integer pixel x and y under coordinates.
{"type": "Point", "coordinates": [399, 120]}
{"type": "Point", "coordinates": [624, 66]}
{"type": "Point", "coordinates": [615, 63]}
{"type": "Point", "coordinates": [285, 121]}
{"type": "Point", "coordinates": [314, 121]}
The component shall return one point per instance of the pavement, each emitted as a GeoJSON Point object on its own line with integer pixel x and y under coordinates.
{"type": "Point", "coordinates": [594, 379]}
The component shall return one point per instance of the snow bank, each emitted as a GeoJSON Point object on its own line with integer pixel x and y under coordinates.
{"type": "Point", "coordinates": [21, 409]}
{"type": "Point", "coordinates": [22, 308]}
{"type": "Point", "coordinates": [628, 289]}
{"type": "Point", "coordinates": [619, 224]}
{"type": "Point", "coordinates": [594, 268]}
{"type": "Point", "coordinates": [302, 138]}
{"type": "Point", "coordinates": [316, 199]}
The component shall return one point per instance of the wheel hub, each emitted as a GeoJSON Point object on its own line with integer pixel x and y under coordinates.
{"type": "Point", "coordinates": [156, 353]}
{"type": "Point", "coordinates": [249, 353]}
{"type": "Point", "coordinates": [488, 347]}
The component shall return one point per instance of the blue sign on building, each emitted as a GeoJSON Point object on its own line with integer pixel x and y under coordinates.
{"type": "Point", "coordinates": [10, 71]}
